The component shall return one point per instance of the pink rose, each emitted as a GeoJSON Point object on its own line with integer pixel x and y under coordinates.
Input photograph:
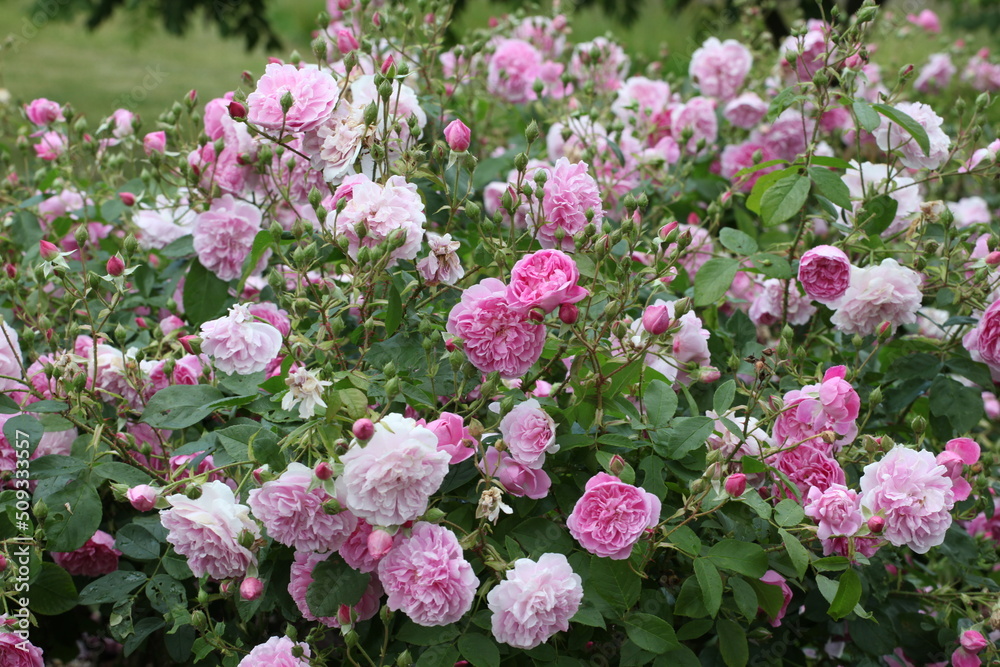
{"type": "Point", "coordinates": [913, 493]}
{"type": "Point", "coordinates": [806, 467]}
{"type": "Point", "coordinates": [611, 516]}
{"type": "Point", "coordinates": [442, 264]}
{"type": "Point", "coordinates": [355, 550]}
{"type": "Point", "coordinates": [291, 509]}
{"type": "Point", "coordinates": [43, 112]}
{"type": "Point", "coordinates": [427, 577]}
{"type": "Point", "coordinates": [277, 652]}
{"type": "Point", "coordinates": [298, 588]}
{"type": "Point", "coordinates": [496, 335]}
{"type": "Point", "coordinates": [458, 136]}
{"type": "Point", "coordinates": [529, 433]}
{"type": "Point", "coordinates": [927, 20]}
{"type": "Point", "coordinates": [189, 369]}
{"type": "Point", "coordinates": [512, 71]}
{"type": "Point", "coordinates": [736, 157]}
{"type": "Point", "coordinates": [224, 234]}
{"type": "Point", "coordinates": [314, 94]}
{"type": "Point", "coordinates": [890, 136]}
{"type": "Point", "coordinates": [51, 145]}
{"type": "Point", "coordinates": [698, 116]}
{"type": "Point", "coordinates": [570, 193]}
{"type": "Point", "coordinates": [745, 111]}
{"type": "Point", "coordinates": [770, 305]}
{"type": "Point", "coordinates": [16, 651]}
{"type": "Point", "coordinates": [825, 273]}
{"type": "Point", "coordinates": [517, 479]}
{"type": "Point", "coordinates": [380, 210]}
{"type": "Point", "coordinates": [389, 481]}
{"type": "Point", "coordinates": [155, 142]}
{"type": "Point", "coordinates": [237, 343]}
{"type": "Point", "coordinates": [96, 557]}
{"type": "Point", "coordinates": [837, 511]}
{"type": "Point", "coordinates": [545, 279]}
{"type": "Point", "coordinates": [600, 61]}
{"type": "Point", "coordinates": [534, 601]}
{"type": "Point", "coordinates": [886, 292]}
{"type": "Point", "coordinates": [209, 531]}
{"type": "Point", "coordinates": [719, 68]}
{"type": "Point", "coordinates": [453, 437]}
{"type": "Point", "coordinates": [270, 313]}
{"type": "Point", "coordinates": [983, 340]}
{"type": "Point", "coordinates": [774, 579]}
{"type": "Point", "coordinates": [124, 123]}
{"type": "Point", "coordinates": [142, 497]}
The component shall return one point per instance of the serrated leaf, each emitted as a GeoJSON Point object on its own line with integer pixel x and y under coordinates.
{"type": "Point", "coordinates": [261, 243]}
{"type": "Point", "coordinates": [737, 241]}
{"type": "Point", "coordinates": [784, 199]}
{"type": "Point", "coordinates": [745, 597]}
{"type": "Point", "coordinates": [831, 185]}
{"type": "Point", "coordinates": [745, 558]}
{"type": "Point", "coordinates": [651, 633]}
{"type": "Point", "coordinates": [660, 400]}
{"type": "Point", "coordinates": [763, 184]}
{"type": "Point", "coordinates": [687, 434]}
{"type": "Point", "coordinates": [180, 406]}
{"type": "Point", "coordinates": [714, 278]}
{"type": "Point", "coordinates": [725, 393]}
{"type": "Point", "coordinates": [74, 516]}
{"type": "Point", "coordinates": [393, 311]}
{"type": "Point", "coordinates": [732, 643]}
{"type": "Point", "coordinates": [876, 214]}
{"type": "Point", "coordinates": [788, 513]}
{"type": "Point", "coordinates": [772, 266]}
{"type": "Point", "coordinates": [867, 117]}
{"type": "Point", "coordinates": [205, 295]}
{"type": "Point", "coordinates": [52, 592]}
{"type": "Point", "coordinates": [111, 587]}
{"type": "Point", "coordinates": [797, 553]}
{"type": "Point", "coordinates": [479, 650]}
{"type": "Point", "coordinates": [847, 596]}
{"type": "Point", "coordinates": [710, 582]}
{"type": "Point", "coordinates": [616, 582]}
{"type": "Point", "coordinates": [136, 542]}
{"type": "Point", "coordinates": [335, 583]}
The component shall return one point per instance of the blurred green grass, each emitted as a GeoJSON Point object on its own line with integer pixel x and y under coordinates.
{"type": "Point", "coordinates": [132, 63]}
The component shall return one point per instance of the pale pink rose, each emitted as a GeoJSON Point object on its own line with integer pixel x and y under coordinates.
{"type": "Point", "coordinates": [736, 157]}
{"type": "Point", "coordinates": [832, 405]}
{"type": "Point", "coordinates": [171, 323]}
{"type": "Point", "coordinates": [277, 652]}
{"type": "Point", "coordinates": [181, 468]}
{"type": "Point", "coordinates": [166, 221]}
{"type": "Point", "coordinates": [154, 142]}
{"type": "Point", "coordinates": [788, 136]}
{"type": "Point", "coordinates": [769, 305]}
{"type": "Point", "coordinates": [774, 579]}
{"type": "Point", "coordinates": [208, 531]}
{"type": "Point", "coordinates": [890, 136]}
{"type": "Point", "coordinates": [927, 20]}
{"type": "Point", "coordinates": [970, 211]}
{"type": "Point", "coordinates": [517, 479]}
{"type": "Point", "coordinates": [43, 112]}
{"type": "Point", "coordinates": [51, 145]}
{"type": "Point", "coordinates": [427, 578]}
{"type": "Point", "coordinates": [535, 600]}
{"type": "Point", "coordinates": [389, 481]}
{"type": "Point", "coordinates": [837, 511]}
{"type": "Point", "coordinates": [314, 94]}
{"type": "Point", "coordinates": [936, 74]}
{"type": "Point", "coordinates": [886, 292]}
{"type": "Point", "coordinates": [983, 340]}
{"type": "Point", "coordinates": [678, 357]}
{"type": "Point", "coordinates": [825, 273]}
{"type": "Point", "coordinates": [336, 144]}
{"type": "Point", "coordinates": [612, 516]}
{"type": "Point", "coordinates": [913, 494]}
{"type": "Point", "coordinates": [989, 153]}
{"type": "Point", "coordinates": [545, 279]}
{"type": "Point", "coordinates": [291, 509]}
{"type": "Point", "coordinates": [238, 343]}
{"type": "Point", "coordinates": [745, 111]}
{"type": "Point", "coordinates": [698, 117]}
{"type": "Point", "coordinates": [453, 437]}
{"type": "Point", "coordinates": [355, 550]}
{"type": "Point", "coordinates": [991, 405]}
{"type": "Point", "coordinates": [639, 100]}
{"type": "Point", "coordinates": [403, 104]}
{"type": "Point", "coordinates": [512, 71]}
{"type": "Point", "coordinates": [600, 61]}
{"type": "Point", "coordinates": [382, 210]}
{"type": "Point", "coordinates": [442, 264]}
{"type": "Point", "coordinates": [273, 315]}
{"type": "Point", "coordinates": [981, 74]}
{"type": "Point", "coordinates": [298, 588]}
{"type": "Point", "coordinates": [529, 433]}
{"type": "Point", "coordinates": [224, 234]}
{"type": "Point", "coordinates": [807, 467]}
{"type": "Point", "coordinates": [545, 33]}
{"type": "Point", "coordinates": [142, 497]}
{"type": "Point", "coordinates": [16, 651]}
{"type": "Point", "coordinates": [814, 49]}
{"type": "Point", "coordinates": [11, 359]}
{"type": "Point", "coordinates": [496, 336]}
{"type": "Point", "coordinates": [570, 192]}
{"type": "Point", "coordinates": [718, 69]}
{"type": "Point", "coordinates": [123, 121]}
{"type": "Point", "coordinates": [96, 557]}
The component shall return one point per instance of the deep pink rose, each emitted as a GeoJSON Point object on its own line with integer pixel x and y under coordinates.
{"type": "Point", "coordinates": [96, 557]}
{"type": "Point", "coordinates": [314, 94]}
{"type": "Point", "coordinates": [224, 234]}
{"type": "Point", "coordinates": [458, 136]}
{"type": "Point", "coordinates": [806, 467]}
{"type": "Point", "coordinates": [15, 651]}
{"type": "Point", "coordinates": [517, 479]}
{"type": "Point", "coordinates": [774, 579]}
{"type": "Point", "coordinates": [154, 142]}
{"type": "Point", "coordinates": [837, 511]}
{"type": "Point", "coordinates": [983, 340]}
{"type": "Point", "coordinates": [825, 273]}
{"type": "Point", "coordinates": [453, 436]}
{"type": "Point", "coordinates": [43, 111]}
{"type": "Point", "coordinates": [529, 433]}
{"type": "Point", "coordinates": [545, 279]}
{"type": "Point", "coordinates": [611, 516]}
{"type": "Point", "coordinates": [570, 192]}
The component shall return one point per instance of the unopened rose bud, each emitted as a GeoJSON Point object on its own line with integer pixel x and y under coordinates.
{"type": "Point", "coordinates": [656, 319]}
{"type": "Point", "coordinates": [154, 142]}
{"type": "Point", "coordinates": [993, 258]}
{"type": "Point", "coordinates": [876, 525]}
{"type": "Point", "coordinates": [973, 641]}
{"type": "Point", "coordinates": [449, 344]}
{"type": "Point", "coordinates": [379, 543]}
{"type": "Point", "coordinates": [237, 110]}
{"type": "Point", "coordinates": [323, 470]}
{"type": "Point", "coordinates": [10, 269]}
{"type": "Point", "coordinates": [190, 343]}
{"type": "Point", "coordinates": [143, 497]}
{"type": "Point", "coordinates": [127, 198]}
{"type": "Point", "coordinates": [387, 65]}
{"type": "Point", "coordinates": [363, 429]}
{"type": "Point", "coordinates": [346, 41]}
{"type": "Point", "coordinates": [736, 484]}
{"type": "Point", "coordinates": [47, 250]}
{"type": "Point", "coordinates": [258, 476]}
{"type": "Point", "coordinates": [3, 562]}
{"type": "Point", "coordinates": [884, 330]}
{"type": "Point", "coordinates": [458, 136]}
{"type": "Point", "coordinates": [616, 465]}
{"type": "Point", "coordinates": [115, 265]}
{"type": "Point", "coordinates": [709, 374]}
{"type": "Point", "coordinates": [536, 315]}
{"type": "Point", "coordinates": [251, 588]}
{"type": "Point", "coordinates": [568, 313]}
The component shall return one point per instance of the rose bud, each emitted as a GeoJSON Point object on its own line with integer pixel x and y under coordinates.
{"type": "Point", "coordinates": [346, 41]}
{"type": "Point", "coordinates": [993, 258]}
{"type": "Point", "coordinates": [736, 484]}
{"type": "Point", "coordinates": [115, 265]}
{"type": "Point", "coordinates": [667, 228]}
{"type": "Point", "coordinates": [458, 136]}
{"type": "Point", "coordinates": [972, 641]}
{"type": "Point", "coordinates": [154, 142]}
{"type": "Point", "coordinates": [656, 319]}
{"type": "Point", "coordinates": [379, 543]}
{"type": "Point", "coordinates": [387, 64]}
{"type": "Point", "coordinates": [237, 110]}
{"type": "Point", "coordinates": [3, 562]}
{"type": "Point", "coordinates": [876, 525]}
{"type": "Point", "coordinates": [143, 497]}
{"type": "Point", "coordinates": [568, 313]}
{"type": "Point", "coordinates": [251, 588]}
{"type": "Point", "coordinates": [363, 429]}
{"type": "Point", "coordinates": [10, 269]}
{"type": "Point", "coordinates": [127, 198]}
{"type": "Point", "coordinates": [323, 470]}
{"type": "Point", "coordinates": [48, 250]}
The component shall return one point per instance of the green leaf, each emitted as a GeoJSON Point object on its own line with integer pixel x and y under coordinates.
{"type": "Point", "coordinates": [867, 117]}
{"type": "Point", "coordinates": [111, 587]}
{"type": "Point", "coordinates": [588, 616]}
{"type": "Point", "coordinates": [961, 405]}
{"type": "Point", "coordinates": [686, 540]}
{"type": "Point", "coordinates": [420, 635]}
{"type": "Point", "coordinates": [772, 266]}
{"type": "Point", "coordinates": [479, 650]}
{"type": "Point", "coordinates": [784, 99]}
{"type": "Point", "coordinates": [26, 232]}
{"type": "Point", "coordinates": [745, 558]}
{"type": "Point", "coordinates": [49, 406]}
{"type": "Point", "coordinates": [732, 643]}
{"type": "Point", "coordinates": [52, 592]}
{"type": "Point", "coordinates": [831, 185]}
{"type": "Point", "coordinates": [205, 296]}
{"type": "Point", "coordinates": [832, 564]}
{"type": "Point", "coordinates": [714, 278]}
{"type": "Point", "coordinates": [165, 593]}
{"type": "Point", "coordinates": [393, 311]}
{"type": "Point", "coordinates": [745, 597]}
{"type": "Point", "coordinates": [261, 242]}
{"type": "Point", "coordinates": [745, 171]}
{"type": "Point", "coordinates": [74, 516]}
{"type": "Point", "coordinates": [661, 402]}
{"type": "Point", "coordinates": [912, 127]}
{"type": "Point", "coordinates": [136, 542]}
{"type": "Point", "coordinates": [847, 596]}
{"type": "Point", "coordinates": [784, 199]}
{"type": "Point", "coordinates": [54, 465]}
{"type": "Point", "coordinates": [687, 435]}
{"type": "Point", "coordinates": [117, 471]}
{"type": "Point", "coordinates": [832, 162]}
{"type": "Point", "coordinates": [651, 633]}
{"type": "Point", "coordinates": [710, 582]}
{"type": "Point", "coordinates": [180, 406]}
{"type": "Point", "coordinates": [438, 656]}
{"type": "Point", "coordinates": [616, 582]}
{"type": "Point", "coordinates": [788, 513]}
{"type": "Point", "coordinates": [355, 402]}
{"type": "Point", "coordinates": [876, 214]}
{"type": "Point", "coordinates": [143, 629]}
{"type": "Point", "coordinates": [798, 554]}
{"type": "Point", "coordinates": [725, 393]}
{"type": "Point", "coordinates": [737, 241]}
{"type": "Point", "coordinates": [23, 432]}
{"type": "Point", "coordinates": [335, 583]}
{"type": "Point", "coordinates": [763, 184]}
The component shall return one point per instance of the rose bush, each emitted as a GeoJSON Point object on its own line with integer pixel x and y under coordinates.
{"type": "Point", "coordinates": [508, 353]}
